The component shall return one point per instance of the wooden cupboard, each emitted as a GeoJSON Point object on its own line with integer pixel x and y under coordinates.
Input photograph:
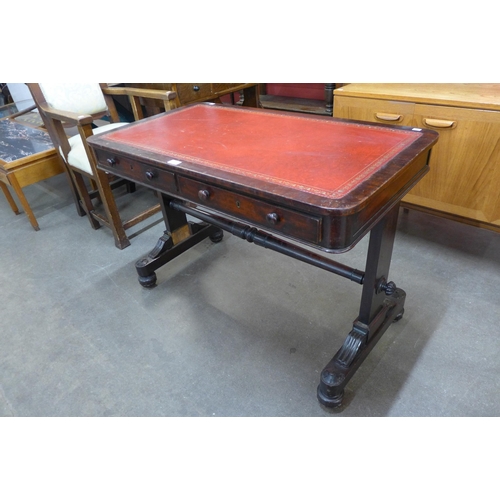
{"type": "Point", "coordinates": [464, 179]}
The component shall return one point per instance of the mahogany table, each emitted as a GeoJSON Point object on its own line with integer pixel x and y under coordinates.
{"type": "Point", "coordinates": [276, 178]}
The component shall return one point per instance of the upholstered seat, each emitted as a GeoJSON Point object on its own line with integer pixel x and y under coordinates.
{"type": "Point", "coordinates": [77, 156]}
{"type": "Point", "coordinates": [80, 105]}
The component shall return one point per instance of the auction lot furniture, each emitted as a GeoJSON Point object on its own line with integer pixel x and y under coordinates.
{"type": "Point", "coordinates": [464, 180]}
{"type": "Point", "coordinates": [272, 178]}
{"type": "Point", "coordinates": [79, 105]}
{"type": "Point", "coordinates": [189, 93]}
{"type": "Point", "coordinates": [27, 155]}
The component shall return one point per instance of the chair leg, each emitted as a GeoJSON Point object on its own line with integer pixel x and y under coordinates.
{"type": "Point", "coordinates": [73, 189]}
{"type": "Point", "coordinates": [85, 201]}
{"type": "Point", "coordinates": [95, 190]}
{"type": "Point", "coordinates": [108, 201]}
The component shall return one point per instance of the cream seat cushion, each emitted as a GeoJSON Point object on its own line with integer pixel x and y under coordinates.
{"type": "Point", "coordinates": [77, 157]}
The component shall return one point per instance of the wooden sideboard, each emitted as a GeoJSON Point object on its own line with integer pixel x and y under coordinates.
{"type": "Point", "coordinates": [188, 93]}
{"type": "Point", "coordinates": [464, 179]}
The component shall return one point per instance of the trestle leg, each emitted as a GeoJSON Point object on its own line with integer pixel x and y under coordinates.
{"type": "Point", "coordinates": [381, 304]}
{"type": "Point", "coordinates": [179, 236]}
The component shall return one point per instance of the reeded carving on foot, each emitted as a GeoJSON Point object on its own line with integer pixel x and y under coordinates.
{"type": "Point", "coordinates": [164, 243]}
{"type": "Point", "coordinates": [352, 346]}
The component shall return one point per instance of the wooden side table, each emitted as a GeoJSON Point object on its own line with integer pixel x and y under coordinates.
{"type": "Point", "coordinates": [27, 156]}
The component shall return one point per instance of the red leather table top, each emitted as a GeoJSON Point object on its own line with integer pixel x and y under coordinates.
{"type": "Point", "coordinates": [329, 180]}
{"type": "Point", "coordinates": [324, 157]}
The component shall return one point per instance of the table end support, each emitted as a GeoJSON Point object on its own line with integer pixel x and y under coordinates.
{"type": "Point", "coordinates": [167, 249]}
{"type": "Point", "coordinates": [358, 344]}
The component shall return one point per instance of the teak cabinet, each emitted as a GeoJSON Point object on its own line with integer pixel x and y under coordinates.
{"type": "Point", "coordinates": [464, 179]}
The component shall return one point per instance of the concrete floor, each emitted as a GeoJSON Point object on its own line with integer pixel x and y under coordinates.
{"type": "Point", "coordinates": [233, 329]}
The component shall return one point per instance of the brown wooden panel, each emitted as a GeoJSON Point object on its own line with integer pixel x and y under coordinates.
{"type": "Point", "coordinates": [283, 220]}
{"type": "Point", "coordinates": [136, 171]}
{"type": "Point", "coordinates": [187, 92]}
{"type": "Point", "coordinates": [224, 88]}
{"type": "Point", "coordinates": [373, 110]}
{"type": "Point", "coordinates": [464, 176]}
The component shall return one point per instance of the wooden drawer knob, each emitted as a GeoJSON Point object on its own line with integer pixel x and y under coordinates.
{"type": "Point", "coordinates": [204, 194]}
{"type": "Point", "coordinates": [273, 218]}
{"type": "Point", "coordinates": [111, 161]}
{"type": "Point", "coordinates": [150, 175]}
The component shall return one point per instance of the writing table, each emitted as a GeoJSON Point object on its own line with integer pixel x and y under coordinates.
{"type": "Point", "coordinates": [275, 178]}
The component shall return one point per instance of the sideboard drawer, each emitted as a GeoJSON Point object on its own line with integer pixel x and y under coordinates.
{"type": "Point", "coordinates": [374, 110]}
{"type": "Point", "coordinates": [288, 222]}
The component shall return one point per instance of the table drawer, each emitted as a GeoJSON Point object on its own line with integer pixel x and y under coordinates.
{"type": "Point", "coordinates": [190, 92]}
{"type": "Point", "coordinates": [288, 222]}
{"type": "Point", "coordinates": [135, 171]}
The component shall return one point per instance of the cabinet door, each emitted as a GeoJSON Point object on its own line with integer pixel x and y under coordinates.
{"type": "Point", "coordinates": [464, 177]}
{"type": "Point", "coordinates": [374, 110]}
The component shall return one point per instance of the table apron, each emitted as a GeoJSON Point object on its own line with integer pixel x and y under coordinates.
{"type": "Point", "coordinates": [263, 239]}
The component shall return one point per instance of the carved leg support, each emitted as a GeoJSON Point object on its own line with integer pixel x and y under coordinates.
{"type": "Point", "coordinates": [179, 236]}
{"type": "Point", "coordinates": [381, 301]}
{"type": "Point", "coordinates": [381, 304]}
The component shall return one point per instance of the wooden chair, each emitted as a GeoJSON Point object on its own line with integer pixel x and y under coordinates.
{"type": "Point", "coordinates": [79, 105]}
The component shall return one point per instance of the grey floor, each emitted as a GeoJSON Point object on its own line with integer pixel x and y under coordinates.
{"type": "Point", "coordinates": [232, 329]}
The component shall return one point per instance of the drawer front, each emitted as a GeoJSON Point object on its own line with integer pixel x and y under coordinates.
{"type": "Point", "coordinates": [192, 92]}
{"type": "Point", "coordinates": [287, 222]}
{"type": "Point", "coordinates": [135, 171]}
{"type": "Point", "coordinates": [374, 110]}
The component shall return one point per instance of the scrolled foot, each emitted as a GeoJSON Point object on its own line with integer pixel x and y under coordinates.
{"type": "Point", "coordinates": [217, 236]}
{"type": "Point", "coordinates": [331, 386]}
{"type": "Point", "coordinates": [147, 281]}
{"type": "Point", "coordinates": [330, 401]}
